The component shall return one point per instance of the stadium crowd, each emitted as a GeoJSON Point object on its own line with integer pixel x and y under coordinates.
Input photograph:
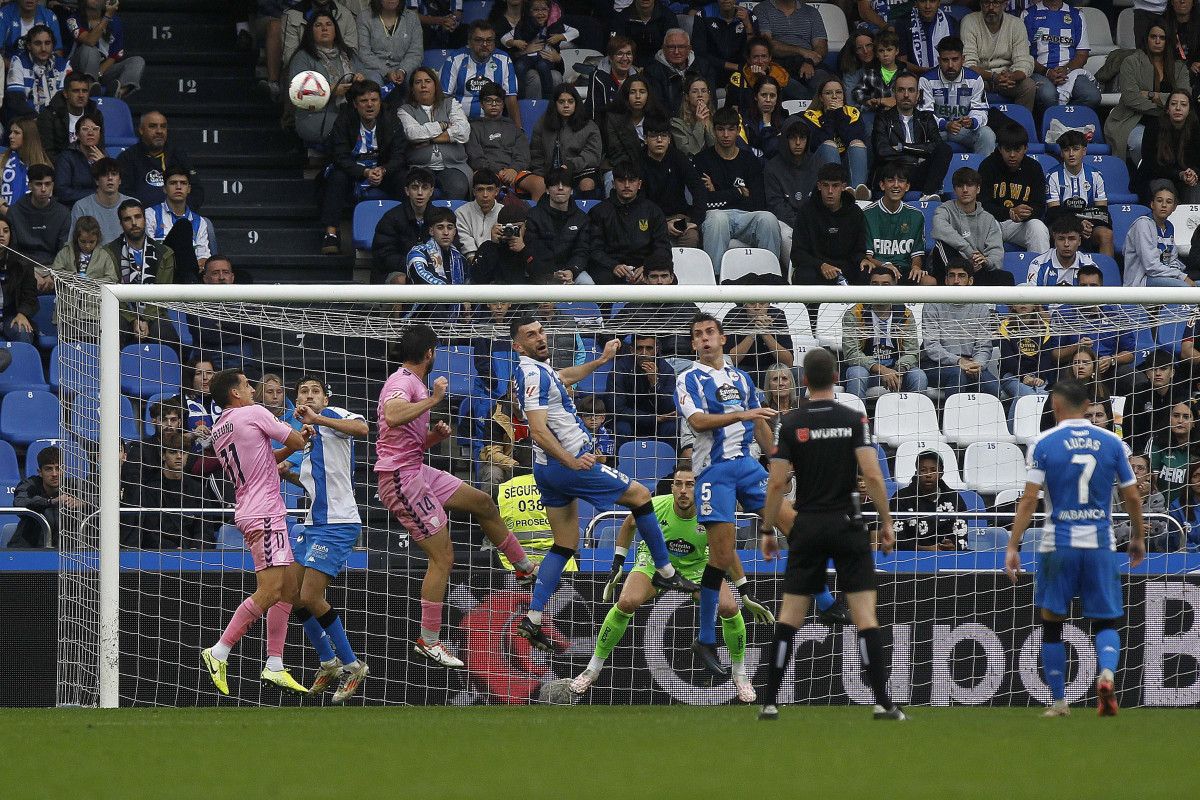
{"type": "Point", "coordinates": [925, 152]}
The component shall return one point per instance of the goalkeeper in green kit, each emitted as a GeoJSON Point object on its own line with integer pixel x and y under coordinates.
{"type": "Point", "coordinates": [687, 545]}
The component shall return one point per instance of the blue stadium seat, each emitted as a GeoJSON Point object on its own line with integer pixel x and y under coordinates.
{"type": "Point", "coordinates": [586, 205]}
{"type": "Point", "coordinates": [457, 364]}
{"type": "Point", "coordinates": [958, 161]}
{"type": "Point", "coordinates": [1076, 117]}
{"type": "Point", "coordinates": [28, 416]}
{"type": "Point", "coordinates": [986, 539]}
{"type": "Point", "coordinates": [531, 112]}
{"type": "Point", "coordinates": [434, 59]}
{"type": "Point", "coordinates": [646, 461]}
{"type": "Point", "coordinates": [43, 320]}
{"type": "Point", "coordinates": [453, 205]}
{"type": "Point", "coordinates": [1017, 265]}
{"type": "Point", "coordinates": [10, 470]}
{"type": "Point", "coordinates": [75, 368]}
{"type": "Point", "coordinates": [85, 419]}
{"type": "Point", "coordinates": [25, 373]}
{"type": "Point", "coordinates": [586, 511]}
{"type": "Point", "coordinates": [1116, 177]}
{"type": "Point", "coordinates": [9, 522]}
{"type": "Point", "coordinates": [958, 12]}
{"type": "Point", "coordinates": [973, 502]}
{"type": "Point", "coordinates": [1112, 274]}
{"type": "Point", "coordinates": [475, 9]}
{"type": "Point", "coordinates": [118, 122]}
{"type": "Point", "coordinates": [597, 382]}
{"type": "Point", "coordinates": [230, 538]}
{"type": "Point", "coordinates": [366, 216]}
{"type": "Point", "coordinates": [605, 532]}
{"type": "Point", "coordinates": [1049, 163]}
{"type": "Point", "coordinates": [179, 320]}
{"type": "Point", "coordinates": [7, 532]}
{"type": "Point", "coordinates": [1017, 113]}
{"type": "Point", "coordinates": [292, 495]}
{"type": "Point", "coordinates": [150, 369]}
{"type": "Point", "coordinates": [1123, 215]}
{"type": "Point", "coordinates": [582, 312]}
{"type": "Point", "coordinates": [927, 208]}
{"type": "Point", "coordinates": [75, 460]}
{"type": "Point", "coordinates": [1168, 336]}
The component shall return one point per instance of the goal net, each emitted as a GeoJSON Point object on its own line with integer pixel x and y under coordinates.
{"type": "Point", "coordinates": [152, 568]}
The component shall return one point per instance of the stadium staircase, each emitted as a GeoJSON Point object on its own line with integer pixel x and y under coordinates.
{"type": "Point", "coordinates": [262, 206]}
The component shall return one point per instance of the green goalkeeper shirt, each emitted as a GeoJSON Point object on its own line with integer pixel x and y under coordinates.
{"type": "Point", "coordinates": [687, 543]}
{"type": "Point", "coordinates": [895, 237]}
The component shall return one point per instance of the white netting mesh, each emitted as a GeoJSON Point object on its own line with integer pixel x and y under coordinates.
{"type": "Point", "coordinates": [960, 632]}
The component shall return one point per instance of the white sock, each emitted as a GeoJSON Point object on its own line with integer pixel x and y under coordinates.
{"type": "Point", "coordinates": [242, 26]}
{"type": "Point", "coordinates": [596, 664]}
{"type": "Point", "coordinates": [275, 663]}
{"type": "Point", "coordinates": [220, 652]}
{"type": "Point", "coordinates": [429, 637]}
{"type": "Point", "coordinates": [524, 565]}
{"type": "Point", "coordinates": [535, 617]}
{"type": "Point", "coordinates": [739, 669]}
{"type": "Point", "coordinates": [330, 663]}
{"type": "Point", "coordinates": [353, 665]}
{"type": "Point", "coordinates": [666, 571]}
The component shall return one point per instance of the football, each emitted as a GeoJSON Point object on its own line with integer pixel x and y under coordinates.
{"type": "Point", "coordinates": [556, 693]}
{"type": "Point", "coordinates": [309, 90]}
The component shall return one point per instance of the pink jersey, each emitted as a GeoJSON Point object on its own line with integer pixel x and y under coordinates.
{"type": "Point", "coordinates": [401, 448]}
{"type": "Point", "coordinates": [242, 438]}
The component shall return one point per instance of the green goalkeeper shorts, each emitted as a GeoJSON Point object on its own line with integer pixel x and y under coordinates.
{"type": "Point", "coordinates": [645, 565]}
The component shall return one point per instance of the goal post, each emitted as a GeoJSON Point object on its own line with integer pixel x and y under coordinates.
{"type": "Point", "coordinates": [364, 319]}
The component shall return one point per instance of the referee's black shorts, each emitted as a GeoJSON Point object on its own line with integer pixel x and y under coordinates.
{"type": "Point", "coordinates": [816, 538]}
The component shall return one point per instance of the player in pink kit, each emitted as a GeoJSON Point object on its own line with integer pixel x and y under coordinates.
{"type": "Point", "coordinates": [419, 495]}
{"type": "Point", "coordinates": [242, 438]}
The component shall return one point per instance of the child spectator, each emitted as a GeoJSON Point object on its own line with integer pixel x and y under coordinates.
{"type": "Point", "coordinates": [556, 233]}
{"type": "Point", "coordinates": [42, 493]}
{"type": "Point", "coordinates": [964, 228]}
{"type": "Point", "coordinates": [100, 48]}
{"type": "Point", "coordinates": [1150, 255]}
{"type": "Point", "coordinates": [565, 137]}
{"type": "Point", "coordinates": [535, 43]}
{"type": "Point", "coordinates": [402, 228]}
{"type": "Point", "coordinates": [692, 125]}
{"type": "Point", "coordinates": [829, 240]}
{"type": "Point", "coordinates": [477, 219]}
{"type": "Point", "coordinates": [1060, 265]}
{"type": "Point", "coordinates": [896, 230]}
{"type": "Point", "coordinates": [1075, 190]}
{"type": "Point", "coordinates": [1014, 190]}
{"type": "Point", "coordinates": [869, 84]}
{"type": "Point", "coordinates": [498, 145]}
{"type": "Point", "coordinates": [74, 257]}
{"type": "Point", "coordinates": [593, 412]}
{"type": "Point", "coordinates": [762, 119]}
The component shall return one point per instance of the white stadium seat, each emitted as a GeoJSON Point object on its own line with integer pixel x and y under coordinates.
{"type": "Point", "coordinates": [1185, 218]}
{"type": "Point", "coordinates": [1027, 417]}
{"type": "Point", "coordinates": [906, 463]}
{"type": "Point", "coordinates": [693, 266]}
{"type": "Point", "coordinates": [851, 401]}
{"type": "Point", "coordinates": [906, 417]}
{"type": "Point", "coordinates": [968, 417]}
{"type": "Point", "coordinates": [748, 261]}
{"type": "Point", "coordinates": [1098, 31]}
{"type": "Point", "coordinates": [829, 325]}
{"type": "Point", "coordinates": [836, 29]}
{"type": "Point", "coordinates": [991, 467]}
{"type": "Point", "coordinates": [800, 327]}
{"type": "Point", "coordinates": [1009, 496]}
{"type": "Point", "coordinates": [1125, 30]}
{"type": "Point", "coordinates": [795, 106]}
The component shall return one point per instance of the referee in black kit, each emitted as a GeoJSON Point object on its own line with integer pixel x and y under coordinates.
{"type": "Point", "coordinates": [826, 444]}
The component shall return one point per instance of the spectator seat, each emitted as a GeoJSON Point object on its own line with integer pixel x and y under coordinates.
{"type": "Point", "coordinates": [457, 365]}
{"type": "Point", "coordinates": [118, 122]}
{"type": "Point", "coordinates": [1076, 117]}
{"type": "Point", "coordinates": [693, 266]}
{"type": "Point", "coordinates": [26, 417]}
{"type": "Point", "coordinates": [968, 417]}
{"type": "Point", "coordinates": [906, 417]}
{"type": "Point", "coordinates": [646, 461]}
{"type": "Point", "coordinates": [1185, 217]}
{"type": "Point", "coordinates": [150, 369]}
{"type": "Point", "coordinates": [531, 112]}
{"type": "Point", "coordinates": [1016, 263]}
{"type": "Point", "coordinates": [829, 325]}
{"type": "Point", "coordinates": [906, 462]}
{"type": "Point", "coordinates": [1123, 215]}
{"type": "Point", "coordinates": [1027, 417]}
{"type": "Point", "coordinates": [1098, 30]}
{"type": "Point", "coordinates": [10, 471]}
{"type": "Point", "coordinates": [1116, 177]}
{"type": "Point", "coordinates": [1019, 113]}
{"type": "Point", "coordinates": [958, 161]}
{"type": "Point", "coordinates": [989, 467]}
{"type": "Point", "coordinates": [366, 216]}
{"type": "Point", "coordinates": [25, 373]}
{"type": "Point", "coordinates": [74, 459]}
{"type": "Point", "coordinates": [43, 320]}
{"type": "Point", "coordinates": [742, 261]}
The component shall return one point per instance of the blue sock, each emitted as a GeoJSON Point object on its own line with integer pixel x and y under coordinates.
{"type": "Point", "coordinates": [1054, 664]}
{"type": "Point", "coordinates": [337, 635]}
{"type": "Point", "coordinates": [320, 642]}
{"type": "Point", "coordinates": [710, 591]}
{"type": "Point", "coordinates": [549, 574]}
{"type": "Point", "coordinates": [824, 599]}
{"type": "Point", "coordinates": [652, 535]}
{"type": "Point", "coordinates": [1108, 649]}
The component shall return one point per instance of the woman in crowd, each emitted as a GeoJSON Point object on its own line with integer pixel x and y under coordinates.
{"type": "Point", "coordinates": [1183, 33]}
{"type": "Point", "coordinates": [565, 137]}
{"type": "Point", "coordinates": [837, 135]}
{"type": "Point", "coordinates": [759, 64]}
{"type": "Point", "coordinates": [610, 75]}
{"type": "Point", "coordinates": [1082, 367]}
{"type": "Point", "coordinates": [1171, 151]}
{"type": "Point", "coordinates": [762, 121]}
{"type": "Point", "coordinates": [73, 173]}
{"type": "Point", "coordinates": [323, 50]}
{"type": "Point", "coordinates": [1150, 255]}
{"type": "Point", "coordinates": [437, 132]}
{"type": "Point", "coordinates": [24, 150]}
{"type": "Point", "coordinates": [1185, 509]}
{"type": "Point", "coordinates": [1148, 76]}
{"type": "Point", "coordinates": [390, 44]}
{"type": "Point", "coordinates": [1170, 451]}
{"type": "Point", "coordinates": [779, 393]}
{"type": "Point", "coordinates": [623, 121]}
{"type": "Point", "coordinates": [692, 128]}
{"type": "Point", "coordinates": [20, 298]}
{"type": "Point", "coordinates": [1153, 502]}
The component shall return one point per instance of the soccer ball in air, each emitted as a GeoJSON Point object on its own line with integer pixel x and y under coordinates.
{"type": "Point", "coordinates": [309, 91]}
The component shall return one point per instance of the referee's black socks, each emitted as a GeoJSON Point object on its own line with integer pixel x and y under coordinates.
{"type": "Point", "coordinates": [870, 649]}
{"type": "Point", "coordinates": [781, 654]}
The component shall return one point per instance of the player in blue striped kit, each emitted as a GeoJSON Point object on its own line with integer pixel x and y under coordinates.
{"type": "Point", "coordinates": [565, 470]}
{"type": "Point", "coordinates": [1078, 463]}
{"type": "Point", "coordinates": [721, 404]}
{"type": "Point", "coordinates": [332, 528]}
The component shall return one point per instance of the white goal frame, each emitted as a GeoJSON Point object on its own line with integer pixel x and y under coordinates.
{"type": "Point", "coordinates": [114, 295]}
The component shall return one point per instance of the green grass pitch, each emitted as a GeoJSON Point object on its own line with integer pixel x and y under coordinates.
{"type": "Point", "coordinates": [583, 752]}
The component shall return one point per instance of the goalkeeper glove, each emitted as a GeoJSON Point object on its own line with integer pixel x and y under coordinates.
{"type": "Point", "coordinates": [760, 612]}
{"type": "Point", "coordinates": [615, 575]}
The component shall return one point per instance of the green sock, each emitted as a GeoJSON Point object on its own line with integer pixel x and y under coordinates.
{"type": "Point", "coordinates": [612, 631]}
{"type": "Point", "coordinates": [733, 631]}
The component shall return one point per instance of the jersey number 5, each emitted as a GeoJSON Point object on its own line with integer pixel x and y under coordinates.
{"type": "Point", "coordinates": [1088, 464]}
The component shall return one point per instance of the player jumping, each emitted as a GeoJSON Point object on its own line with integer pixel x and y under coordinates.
{"type": "Point", "coordinates": [242, 438]}
{"type": "Point", "coordinates": [1077, 462]}
{"type": "Point", "coordinates": [688, 545]}
{"type": "Point", "coordinates": [565, 470]}
{"type": "Point", "coordinates": [720, 403]}
{"type": "Point", "coordinates": [827, 445]}
{"type": "Point", "coordinates": [332, 528]}
{"type": "Point", "coordinates": [419, 495]}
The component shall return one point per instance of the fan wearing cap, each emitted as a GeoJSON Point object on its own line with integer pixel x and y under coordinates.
{"type": "Point", "coordinates": [929, 495]}
{"type": "Point", "coordinates": [504, 258]}
{"type": "Point", "coordinates": [1148, 411]}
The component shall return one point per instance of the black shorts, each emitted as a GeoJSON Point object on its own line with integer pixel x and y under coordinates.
{"type": "Point", "coordinates": [816, 538]}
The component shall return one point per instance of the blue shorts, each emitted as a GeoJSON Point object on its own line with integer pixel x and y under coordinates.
{"type": "Point", "coordinates": [1091, 575]}
{"type": "Point", "coordinates": [602, 486]}
{"type": "Point", "coordinates": [326, 548]}
{"type": "Point", "coordinates": [721, 486]}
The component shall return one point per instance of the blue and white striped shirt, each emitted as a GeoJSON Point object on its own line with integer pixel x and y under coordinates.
{"type": "Point", "coordinates": [1054, 36]}
{"type": "Point", "coordinates": [327, 474]}
{"type": "Point", "coordinates": [463, 78]}
{"type": "Point", "coordinates": [704, 390]}
{"type": "Point", "coordinates": [540, 389]}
